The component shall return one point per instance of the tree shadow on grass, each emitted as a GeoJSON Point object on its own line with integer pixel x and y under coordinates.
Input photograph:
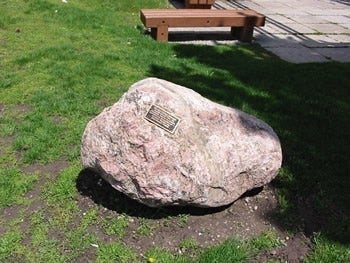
{"type": "Point", "coordinates": [306, 104]}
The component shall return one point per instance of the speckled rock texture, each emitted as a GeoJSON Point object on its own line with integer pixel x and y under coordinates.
{"type": "Point", "coordinates": [215, 154]}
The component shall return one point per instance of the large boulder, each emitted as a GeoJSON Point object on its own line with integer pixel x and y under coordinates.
{"type": "Point", "coordinates": [164, 144]}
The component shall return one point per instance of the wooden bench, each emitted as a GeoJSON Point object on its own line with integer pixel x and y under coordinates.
{"type": "Point", "coordinates": [205, 4]}
{"type": "Point", "coordinates": [242, 22]}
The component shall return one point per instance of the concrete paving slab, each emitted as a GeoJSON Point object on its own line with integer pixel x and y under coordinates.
{"type": "Point", "coordinates": [290, 11]}
{"type": "Point", "coordinates": [329, 28]}
{"type": "Point", "coordinates": [317, 41]}
{"type": "Point", "coordinates": [298, 54]}
{"type": "Point", "coordinates": [277, 29]}
{"type": "Point", "coordinates": [327, 12]}
{"type": "Point", "coordinates": [298, 31]}
{"type": "Point", "coordinates": [337, 19]}
{"type": "Point", "coordinates": [300, 28]}
{"type": "Point", "coordinates": [277, 18]}
{"type": "Point", "coordinates": [335, 54]}
{"type": "Point", "coordinates": [307, 19]}
{"type": "Point", "coordinates": [341, 40]}
{"type": "Point", "coordinates": [274, 26]}
{"type": "Point", "coordinates": [275, 41]}
{"type": "Point", "coordinates": [347, 26]}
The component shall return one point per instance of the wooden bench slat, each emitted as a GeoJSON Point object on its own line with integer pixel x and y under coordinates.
{"type": "Point", "coordinates": [197, 22]}
{"type": "Point", "coordinates": [202, 2]}
{"type": "Point", "coordinates": [197, 12]}
{"type": "Point", "coordinates": [199, 3]}
{"type": "Point", "coordinates": [174, 17]}
{"type": "Point", "coordinates": [242, 22]}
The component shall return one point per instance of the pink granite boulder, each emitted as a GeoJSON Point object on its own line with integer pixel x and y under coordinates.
{"type": "Point", "coordinates": [164, 144]}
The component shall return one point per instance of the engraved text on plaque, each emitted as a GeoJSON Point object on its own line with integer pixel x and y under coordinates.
{"type": "Point", "coordinates": [162, 118]}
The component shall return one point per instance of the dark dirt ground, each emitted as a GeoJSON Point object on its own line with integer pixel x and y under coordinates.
{"type": "Point", "coordinates": [249, 216]}
{"type": "Point", "coordinates": [253, 213]}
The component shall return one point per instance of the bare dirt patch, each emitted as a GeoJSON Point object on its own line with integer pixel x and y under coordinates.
{"type": "Point", "coordinates": [167, 227]}
{"type": "Point", "coordinates": [252, 214]}
{"type": "Point", "coordinates": [46, 174]}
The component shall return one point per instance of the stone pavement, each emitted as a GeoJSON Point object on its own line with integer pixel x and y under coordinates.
{"type": "Point", "coordinates": [299, 31]}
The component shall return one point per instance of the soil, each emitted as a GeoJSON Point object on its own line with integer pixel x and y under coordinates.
{"type": "Point", "coordinates": [249, 216]}
{"type": "Point", "coordinates": [252, 214]}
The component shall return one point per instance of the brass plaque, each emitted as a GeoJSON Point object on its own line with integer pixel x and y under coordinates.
{"type": "Point", "coordinates": [162, 118]}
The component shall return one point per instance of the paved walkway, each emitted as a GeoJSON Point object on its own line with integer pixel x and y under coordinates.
{"type": "Point", "coordinates": [300, 31]}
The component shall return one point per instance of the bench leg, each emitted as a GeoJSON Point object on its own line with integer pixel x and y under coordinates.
{"type": "Point", "coordinates": [160, 33]}
{"type": "Point", "coordinates": [244, 33]}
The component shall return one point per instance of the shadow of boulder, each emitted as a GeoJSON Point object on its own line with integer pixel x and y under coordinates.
{"type": "Point", "coordinates": [92, 185]}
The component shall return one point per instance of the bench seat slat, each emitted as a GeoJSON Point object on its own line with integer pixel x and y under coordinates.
{"type": "Point", "coordinates": [196, 22]}
{"type": "Point", "coordinates": [197, 12]}
{"type": "Point", "coordinates": [199, 4]}
{"type": "Point", "coordinates": [197, 17]}
{"type": "Point", "coordinates": [241, 22]}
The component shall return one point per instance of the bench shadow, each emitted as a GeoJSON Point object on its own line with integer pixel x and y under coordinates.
{"type": "Point", "coordinates": [200, 35]}
{"type": "Point", "coordinates": [178, 4]}
{"type": "Point", "coordinates": [184, 36]}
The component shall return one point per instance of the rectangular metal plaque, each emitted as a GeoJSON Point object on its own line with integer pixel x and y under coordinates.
{"type": "Point", "coordinates": [162, 118]}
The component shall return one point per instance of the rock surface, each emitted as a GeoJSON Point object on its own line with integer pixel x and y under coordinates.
{"type": "Point", "coordinates": [215, 154]}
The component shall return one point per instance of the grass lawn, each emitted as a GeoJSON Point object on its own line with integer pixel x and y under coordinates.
{"type": "Point", "coordinates": [62, 63]}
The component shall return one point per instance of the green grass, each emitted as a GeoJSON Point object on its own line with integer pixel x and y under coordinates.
{"type": "Point", "coordinates": [145, 227]}
{"type": "Point", "coordinates": [115, 252]}
{"type": "Point", "coordinates": [10, 242]}
{"type": "Point", "coordinates": [116, 226]}
{"type": "Point", "coordinates": [328, 251]}
{"type": "Point", "coordinates": [230, 251]}
{"type": "Point", "coordinates": [266, 240]}
{"type": "Point", "coordinates": [182, 220]}
{"type": "Point", "coordinates": [62, 191]}
{"type": "Point", "coordinates": [189, 243]}
{"type": "Point", "coordinates": [61, 64]}
{"type": "Point", "coordinates": [13, 186]}
{"type": "Point", "coordinates": [160, 255]}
